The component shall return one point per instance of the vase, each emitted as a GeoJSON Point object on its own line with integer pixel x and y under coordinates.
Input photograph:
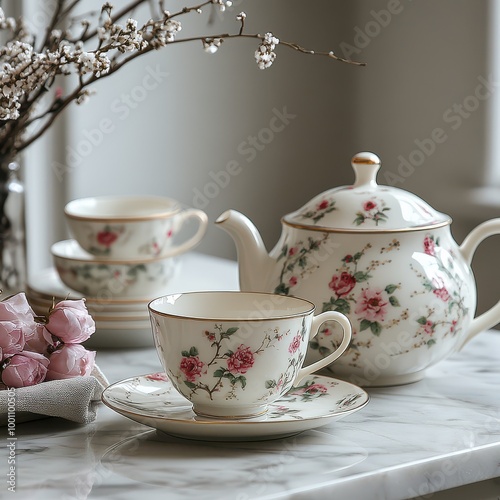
{"type": "Point", "coordinates": [12, 230]}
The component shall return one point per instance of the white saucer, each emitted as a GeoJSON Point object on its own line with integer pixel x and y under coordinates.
{"type": "Point", "coordinates": [152, 400]}
{"type": "Point", "coordinates": [47, 284]}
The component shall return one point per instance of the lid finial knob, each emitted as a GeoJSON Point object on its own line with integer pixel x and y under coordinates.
{"type": "Point", "coordinates": [366, 166]}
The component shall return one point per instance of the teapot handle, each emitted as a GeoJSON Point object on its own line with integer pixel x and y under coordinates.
{"type": "Point", "coordinates": [492, 316]}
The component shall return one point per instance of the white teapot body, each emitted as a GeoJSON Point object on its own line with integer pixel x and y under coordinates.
{"type": "Point", "coordinates": [408, 292]}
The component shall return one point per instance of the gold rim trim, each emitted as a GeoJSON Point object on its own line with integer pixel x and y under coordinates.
{"type": "Point", "coordinates": [234, 292]}
{"type": "Point", "coordinates": [364, 161]}
{"type": "Point", "coordinates": [100, 259]}
{"type": "Point", "coordinates": [115, 219]}
{"type": "Point", "coordinates": [323, 229]}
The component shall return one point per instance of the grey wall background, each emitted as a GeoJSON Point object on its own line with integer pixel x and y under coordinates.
{"type": "Point", "coordinates": [424, 59]}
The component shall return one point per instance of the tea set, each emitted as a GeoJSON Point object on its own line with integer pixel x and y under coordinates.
{"type": "Point", "coordinates": [365, 282]}
{"type": "Point", "coordinates": [122, 256]}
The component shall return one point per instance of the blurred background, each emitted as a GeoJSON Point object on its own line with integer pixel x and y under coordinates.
{"type": "Point", "coordinates": [175, 119]}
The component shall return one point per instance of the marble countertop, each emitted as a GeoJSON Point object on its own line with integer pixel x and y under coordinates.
{"type": "Point", "coordinates": [409, 441]}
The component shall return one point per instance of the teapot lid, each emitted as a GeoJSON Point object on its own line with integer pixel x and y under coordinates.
{"type": "Point", "coordinates": [366, 206]}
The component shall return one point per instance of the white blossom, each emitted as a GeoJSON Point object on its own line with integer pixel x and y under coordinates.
{"type": "Point", "coordinates": [265, 55]}
{"type": "Point", "coordinates": [211, 45]}
{"type": "Point", "coordinates": [222, 4]}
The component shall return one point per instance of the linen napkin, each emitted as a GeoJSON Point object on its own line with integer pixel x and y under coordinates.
{"type": "Point", "coordinates": [74, 399]}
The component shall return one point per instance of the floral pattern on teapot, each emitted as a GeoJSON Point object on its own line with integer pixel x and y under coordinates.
{"type": "Point", "coordinates": [320, 210]}
{"type": "Point", "coordinates": [374, 210]}
{"type": "Point", "coordinates": [358, 288]}
{"type": "Point", "coordinates": [449, 320]}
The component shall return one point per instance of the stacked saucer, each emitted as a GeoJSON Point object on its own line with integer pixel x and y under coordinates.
{"type": "Point", "coordinates": [119, 323]}
{"type": "Point", "coordinates": [122, 256]}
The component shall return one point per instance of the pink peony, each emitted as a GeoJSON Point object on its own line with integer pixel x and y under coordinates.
{"type": "Point", "coordinates": [24, 369]}
{"type": "Point", "coordinates": [342, 284]}
{"type": "Point", "coordinates": [71, 322]}
{"type": "Point", "coordinates": [192, 367]}
{"type": "Point", "coordinates": [39, 340]}
{"type": "Point", "coordinates": [295, 345]}
{"type": "Point", "coordinates": [12, 339]}
{"type": "Point", "coordinates": [16, 323]}
{"type": "Point", "coordinates": [71, 360]}
{"type": "Point", "coordinates": [241, 360]}
{"type": "Point", "coordinates": [371, 305]}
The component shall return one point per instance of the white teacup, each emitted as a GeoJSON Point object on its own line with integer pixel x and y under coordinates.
{"type": "Point", "coordinates": [132, 227]}
{"type": "Point", "coordinates": [233, 353]}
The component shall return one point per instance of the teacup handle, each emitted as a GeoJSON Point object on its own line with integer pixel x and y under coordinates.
{"type": "Point", "coordinates": [191, 213]}
{"type": "Point", "coordinates": [315, 326]}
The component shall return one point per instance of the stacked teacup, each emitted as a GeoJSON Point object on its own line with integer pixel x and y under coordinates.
{"type": "Point", "coordinates": [124, 246]}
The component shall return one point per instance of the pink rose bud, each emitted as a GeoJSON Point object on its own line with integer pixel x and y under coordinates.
{"type": "Point", "coordinates": [24, 369]}
{"type": "Point", "coordinates": [72, 360]}
{"type": "Point", "coordinates": [71, 322]}
{"type": "Point", "coordinates": [39, 340]}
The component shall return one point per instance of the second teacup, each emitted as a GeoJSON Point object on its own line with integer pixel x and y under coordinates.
{"type": "Point", "coordinates": [132, 227]}
{"type": "Point", "coordinates": [233, 353]}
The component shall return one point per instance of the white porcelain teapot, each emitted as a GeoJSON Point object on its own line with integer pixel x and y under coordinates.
{"type": "Point", "coordinates": [383, 257]}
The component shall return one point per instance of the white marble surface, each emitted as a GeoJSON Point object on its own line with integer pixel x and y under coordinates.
{"type": "Point", "coordinates": [410, 441]}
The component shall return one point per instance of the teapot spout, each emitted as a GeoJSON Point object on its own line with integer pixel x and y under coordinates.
{"type": "Point", "coordinates": [254, 263]}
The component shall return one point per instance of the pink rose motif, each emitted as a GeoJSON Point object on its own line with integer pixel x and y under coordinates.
{"type": "Point", "coordinates": [348, 258]}
{"type": "Point", "coordinates": [342, 284]}
{"type": "Point", "coordinates": [106, 238]}
{"type": "Point", "coordinates": [292, 251]}
{"type": "Point", "coordinates": [210, 335]}
{"type": "Point", "coordinates": [371, 305]}
{"type": "Point", "coordinates": [293, 281]}
{"type": "Point", "coordinates": [312, 389]}
{"type": "Point", "coordinates": [25, 369]}
{"type": "Point", "coordinates": [453, 326]}
{"type": "Point", "coordinates": [428, 327]}
{"type": "Point", "coordinates": [71, 360]}
{"type": "Point", "coordinates": [158, 377]}
{"type": "Point", "coordinates": [323, 205]}
{"type": "Point", "coordinates": [316, 389]}
{"type": "Point", "coordinates": [442, 293]}
{"type": "Point", "coordinates": [326, 331]}
{"type": "Point", "coordinates": [71, 322]}
{"type": "Point", "coordinates": [241, 360]}
{"type": "Point", "coordinates": [295, 345]}
{"type": "Point", "coordinates": [429, 246]}
{"type": "Point", "coordinates": [369, 205]}
{"type": "Point", "coordinates": [192, 367]}
{"type": "Point", "coordinates": [169, 233]}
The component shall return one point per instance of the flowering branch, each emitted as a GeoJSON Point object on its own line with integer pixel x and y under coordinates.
{"type": "Point", "coordinates": [27, 109]}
